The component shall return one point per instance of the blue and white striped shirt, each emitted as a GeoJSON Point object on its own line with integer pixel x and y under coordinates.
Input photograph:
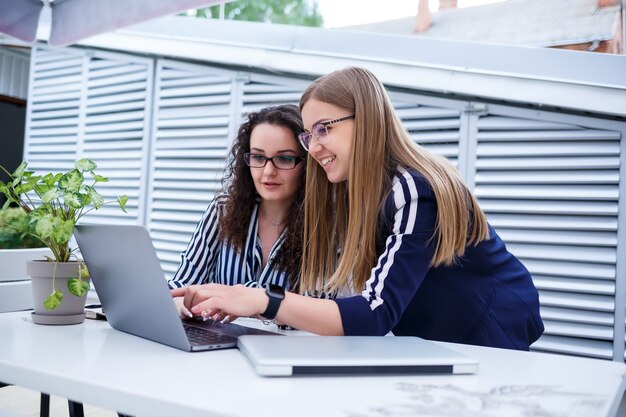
{"type": "Point", "coordinates": [207, 259]}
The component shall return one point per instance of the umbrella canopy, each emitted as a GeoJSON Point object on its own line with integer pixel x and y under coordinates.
{"type": "Point", "coordinates": [73, 20]}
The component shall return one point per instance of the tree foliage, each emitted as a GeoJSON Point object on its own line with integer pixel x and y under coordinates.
{"type": "Point", "coordinates": [291, 12]}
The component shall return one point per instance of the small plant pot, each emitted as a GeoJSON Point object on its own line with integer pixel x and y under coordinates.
{"type": "Point", "coordinates": [72, 308]}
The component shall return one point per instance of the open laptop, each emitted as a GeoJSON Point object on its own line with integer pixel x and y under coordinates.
{"type": "Point", "coordinates": [352, 355]}
{"type": "Point", "coordinates": [135, 297]}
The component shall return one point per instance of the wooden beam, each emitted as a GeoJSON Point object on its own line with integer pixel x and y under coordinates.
{"type": "Point", "coordinates": [13, 100]}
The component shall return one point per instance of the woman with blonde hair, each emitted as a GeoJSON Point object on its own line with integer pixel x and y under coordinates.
{"type": "Point", "coordinates": [393, 231]}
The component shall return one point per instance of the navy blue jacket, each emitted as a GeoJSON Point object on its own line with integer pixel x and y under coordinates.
{"type": "Point", "coordinates": [487, 298]}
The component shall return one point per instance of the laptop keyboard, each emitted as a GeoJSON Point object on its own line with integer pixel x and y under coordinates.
{"type": "Point", "coordinates": [199, 336]}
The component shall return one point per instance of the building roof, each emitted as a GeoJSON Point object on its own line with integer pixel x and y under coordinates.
{"type": "Point", "coordinates": [518, 22]}
{"type": "Point", "coordinates": [515, 74]}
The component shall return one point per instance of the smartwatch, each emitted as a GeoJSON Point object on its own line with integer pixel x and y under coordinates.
{"type": "Point", "coordinates": [276, 295]}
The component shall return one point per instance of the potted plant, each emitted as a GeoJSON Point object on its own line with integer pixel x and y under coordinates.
{"type": "Point", "coordinates": [15, 250]}
{"type": "Point", "coordinates": [53, 204]}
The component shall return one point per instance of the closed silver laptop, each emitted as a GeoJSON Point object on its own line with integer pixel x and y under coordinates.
{"type": "Point", "coordinates": [352, 355]}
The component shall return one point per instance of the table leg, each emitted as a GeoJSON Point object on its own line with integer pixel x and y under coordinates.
{"type": "Point", "coordinates": [44, 405]}
{"type": "Point", "coordinates": [76, 409]}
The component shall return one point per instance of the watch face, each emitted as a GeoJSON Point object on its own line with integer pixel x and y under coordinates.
{"type": "Point", "coordinates": [276, 291]}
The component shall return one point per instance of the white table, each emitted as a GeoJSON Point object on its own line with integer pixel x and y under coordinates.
{"type": "Point", "coordinates": [93, 363]}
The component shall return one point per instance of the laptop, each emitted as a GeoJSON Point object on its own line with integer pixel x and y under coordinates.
{"type": "Point", "coordinates": [135, 297]}
{"type": "Point", "coordinates": [352, 355]}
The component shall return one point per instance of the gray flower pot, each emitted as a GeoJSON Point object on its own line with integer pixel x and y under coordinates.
{"type": "Point", "coordinates": [72, 308]}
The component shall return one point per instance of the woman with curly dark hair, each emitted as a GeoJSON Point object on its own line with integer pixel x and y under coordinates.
{"type": "Point", "coordinates": [251, 233]}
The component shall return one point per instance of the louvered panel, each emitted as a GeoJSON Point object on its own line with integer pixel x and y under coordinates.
{"type": "Point", "coordinates": [191, 139]}
{"type": "Point", "coordinates": [577, 346]}
{"type": "Point", "coordinates": [567, 237]}
{"type": "Point", "coordinates": [216, 88]}
{"type": "Point", "coordinates": [191, 164]}
{"type": "Point", "coordinates": [566, 253]}
{"type": "Point", "coordinates": [63, 126]}
{"type": "Point", "coordinates": [579, 330]}
{"type": "Point", "coordinates": [62, 79]}
{"type": "Point", "coordinates": [66, 105]}
{"type": "Point", "coordinates": [575, 285]}
{"type": "Point", "coordinates": [552, 190]}
{"type": "Point", "coordinates": [185, 230]}
{"type": "Point", "coordinates": [523, 126]}
{"type": "Point", "coordinates": [194, 101]}
{"type": "Point", "coordinates": [572, 316]}
{"type": "Point", "coordinates": [540, 192]}
{"type": "Point", "coordinates": [256, 94]}
{"type": "Point", "coordinates": [169, 237]}
{"type": "Point", "coordinates": [604, 148]}
{"type": "Point", "coordinates": [217, 130]}
{"type": "Point", "coordinates": [53, 116]}
{"type": "Point", "coordinates": [567, 269]}
{"type": "Point", "coordinates": [566, 133]}
{"type": "Point", "coordinates": [558, 177]}
{"type": "Point", "coordinates": [170, 247]}
{"type": "Point", "coordinates": [103, 134]}
{"type": "Point", "coordinates": [117, 107]}
{"type": "Point", "coordinates": [115, 136]}
{"type": "Point", "coordinates": [577, 302]}
{"type": "Point", "coordinates": [51, 131]}
{"type": "Point", "coordinates": [591, 208]}
{"type": "Point", "coordinates": [177, 205]}
{"type": "Point", "coordinates": [435, 128]}
{"type": "Point", "coordinates": [556, 222]}
{"type": "Point", "coordinates": [95, 103]}
{"type": "Point", "coordinates": [184, 176]}
{"type": "Point", "coordinates": [53, 120]}
{"type": "Point", "coordinates": [57, 139]}
{"type": "Point", "coordinates": [59, 86]}
{"type": "Point", "coordinates": [63, 95]}
{"type": "Point", "coordinates": [169, 194]}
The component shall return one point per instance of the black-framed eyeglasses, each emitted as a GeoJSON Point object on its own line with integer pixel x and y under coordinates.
{"type": "Point", "coordinates": [319, 131]}
{"type": "Point", "coordinates": [255, 160]}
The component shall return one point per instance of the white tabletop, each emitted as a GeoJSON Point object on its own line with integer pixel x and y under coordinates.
{"type": "Point", "coordinates": [95, 364]}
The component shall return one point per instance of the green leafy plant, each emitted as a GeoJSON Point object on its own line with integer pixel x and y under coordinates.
{"type": "Point", "coordinates": [13, 222]}
{"type": "Point", "coordinates": [53, 204]}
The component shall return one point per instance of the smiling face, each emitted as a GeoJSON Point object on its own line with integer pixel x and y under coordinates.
{"type": "Point", "coordinates": [335, 155]}
{"type": "Point", "coordinates": [272, 184]}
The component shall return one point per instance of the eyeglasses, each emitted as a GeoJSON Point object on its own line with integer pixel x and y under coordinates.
{"type": "Point", "coordinates": [255, 160]}
{"type": "Point", "coordinates": [319, 131]}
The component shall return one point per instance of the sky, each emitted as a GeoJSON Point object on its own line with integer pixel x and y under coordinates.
{"type": "Point", "coordinates": [338, 13]}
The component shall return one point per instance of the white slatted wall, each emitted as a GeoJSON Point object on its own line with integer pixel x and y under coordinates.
{"type": "Point", "coordinates": [92, 105]}
{"type": "Point", "coordinates": [191, 135]}
{"type": "Point", "coordinates": [257, 92]}
{"type": "Point", "coordinates": [116, 126]}
{"type": "Point", "coordinates": [551, 191]}
{"type": "Point", "coordinates": [54, 107]}
{"type": "Point", "coordinates": [548, 182]}
{"type": "Point", "coordinates": [435, 127]}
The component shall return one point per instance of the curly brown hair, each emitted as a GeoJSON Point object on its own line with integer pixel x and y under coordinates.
{"type": "Point", "coordinates": [241, 196]}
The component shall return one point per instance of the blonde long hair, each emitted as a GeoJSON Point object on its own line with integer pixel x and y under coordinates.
{"type": "Point", "coordinates": [341, 220]}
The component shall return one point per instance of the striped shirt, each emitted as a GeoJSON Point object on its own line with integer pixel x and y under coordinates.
{"type": "Point", "coordinates": [207, 259]}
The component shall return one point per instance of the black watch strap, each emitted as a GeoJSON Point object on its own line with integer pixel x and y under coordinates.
{"type": "Point", "coordinates": [276, 295]}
